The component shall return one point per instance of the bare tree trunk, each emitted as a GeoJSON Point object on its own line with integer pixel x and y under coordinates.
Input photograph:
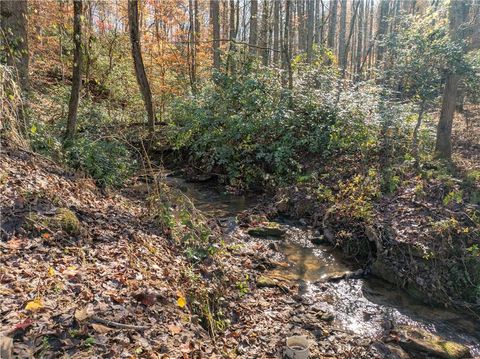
{"type": "Point", "coordinates": [138, 62]}
{"type": "Point", "coordinates": [286, 45]}
{"type": "Point", "coordinates": [342, 51]}
{"type": "Point", "coordinates": [77, 71]}
{"type": "Point", "coordinates": [332, 25]}
{"type": "Point", "coordinates": [310, 28]}
{"type": "Point", "coordinates": [192, 46]}
{"type": "Point", "coordinates": [276, 31]}
{"type": "Point", "coordinates": [252, 40]}
{"type": "Point", "coordinates": [301, 26]}
{"type": "Point", "coordinates": [360, 39]}
{"type": "Point", "coordinates": [214, 20]}
{"type": "Point", "coordinates": [264, 34]}
{"type": "Point", "coordinates": [233, 33]}
{"type": "Point", "coordinates": [443, 145]}
{"type": "Point", "coordinates": [458, 13]}
{"type": "Point", "coordinates": [382, 30]}
{"type": "Point", "coordinates": [13, 22]}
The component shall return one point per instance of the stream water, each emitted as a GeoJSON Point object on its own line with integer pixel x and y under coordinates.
{"type": "Point", "coordinates": [364, 306]}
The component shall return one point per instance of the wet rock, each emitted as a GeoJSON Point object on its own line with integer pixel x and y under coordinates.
{"type": "Point", "coordinates": [273, 246]}
{"type": "Point", "coordinates": [327, 317]}
{"type": "Point", "coordinates": [267, 230]}
{"type": "Point", "coordinates": [266, 282]}
{"type": "Point", "coordinates": [319, 240]}
{"type": "Point", "coordinates": [390, 351]}
{"type": "Point", "coordinates": [417, 340]}
{"type": "Point", "coordinates": [337, 276]}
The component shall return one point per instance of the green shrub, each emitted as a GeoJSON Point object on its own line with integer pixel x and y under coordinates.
{"type": "Point", "coordinates": [108, 162]}
{"type": "Point", "coordinates": [242, 127]}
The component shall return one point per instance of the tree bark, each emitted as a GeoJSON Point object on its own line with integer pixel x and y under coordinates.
{"type": "Point", "coordinates": [14, 23]}
{"type": "Point", "coordinates": [332, 25]}
{"type": "Point", "coordinates": [77, 71]}
{"type": "Point", "coordinates": [214, 20]}
{"type": "Point", "coordinates": [310, 28]}
{"type": "Point", "coordinates": [286, 46]}
{"type": "Point", "coordinates": [192, 55]}
{"type": "Point", "coordinates": [252, 40]}
{"type": "Point", "coordinates": [138, 62]}
{"type": "Point", "coordinates": [382, 30]}
{"type": "Point", "coordinates": [360, 39]}
{"type": "Point", "coordinates": [276, 31]}
{"type": "Point", "coordinates": [233, 34]}
{"type": "Point", "coordinates": [342, 51]}
{"type": "Point", "coordinates": [458, 13]}
{"type": "Point", "coordinates": [264, 34]}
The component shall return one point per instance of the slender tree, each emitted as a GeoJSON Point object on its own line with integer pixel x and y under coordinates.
{"type": "Point", "coordinates": [252, 40]}
{"type": "Point", "coordinates": [215, 22]}
{"type": "Point", "coordinates": [342, 51]}
{"type": "Point", "coordinates": [138, 62]}
{"type": "Point", "coordinates": [286, 45]}
{"type": "Point", "coordinates": [77, 71]}
{"type": "Point", "coordinates": [310, 28]}
{"type": "Point", "coordinates": [264, 34]}
{"type": "Point", "coordinates": [332, 24]}
{"type": "Point", "coordinates": [276, 31]}
{"type": "Point", "coordinates": [232, 35]}
{"type": "Point", "coordinates": [458, 13]}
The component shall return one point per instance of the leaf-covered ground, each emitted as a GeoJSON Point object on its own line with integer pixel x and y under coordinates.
{"type": "Point", "coordinates": [86, 274]}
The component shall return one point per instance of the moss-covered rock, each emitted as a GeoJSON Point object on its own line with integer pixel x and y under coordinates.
{"type": "Point", "coordinates": [266, 282]}
{"type": "Point", "coordinates": [67, 221]}
{"type": "Point", "coordinates": [269, 229]}
{"type": "Point", "coordinates": [64, 219]}
{"type": "Point", "coordinates": [416, 340]}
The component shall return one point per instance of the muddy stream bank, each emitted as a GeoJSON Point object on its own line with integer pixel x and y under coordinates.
{"type": "Point", "coordinates": [367, 306]}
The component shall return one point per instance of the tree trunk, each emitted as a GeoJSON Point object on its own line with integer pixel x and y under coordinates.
{"type": "Point", "coordinates": [332, 25]}
{"type": "Point", "coordinates": [215, 22]}
{"type": "Point", "coordinates": [77, 71]}
{"type": "Point", "coordinates": [310, 28]}
{"type": "Point", "coordinates": [382, 30]}
{"type": "Point", "coordinates": [443, 145]}
{"type": "Point", "coordinates": [138, 62]}
{"type": "Point", "coordinates": [286, 46]}
{"type": "Point", "coordinates": [360, 39]}
{"type": "Point", "coordinates": [342, 51]}
{"type": "Point", "coordinates": [302, 38]}
{"type": "Point", "coordinates": [264, 34]}
{"type": "Point", "coordinates": [252, 40]}
{"type": "Point", "coordinates": [192, 48]}
{"type": "Point", "coordinates": [276, 31]}
{"type": "Point", "coordinates": [232, 35]}
{"type": "Point", "coordinates": [13, 22]}
{"type": "Point", "coordinates": [458, 13]}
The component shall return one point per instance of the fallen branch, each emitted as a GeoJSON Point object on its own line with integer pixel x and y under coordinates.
{"type": "Point", "coordinates": [110, 323]}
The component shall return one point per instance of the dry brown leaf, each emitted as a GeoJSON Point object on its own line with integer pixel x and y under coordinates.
{"type": "Point", "coordinates": [102, 329]}
{"type": "Point", "coordinates": [83, 313]}
{"type": "Point", "coordinates": [174, 329]}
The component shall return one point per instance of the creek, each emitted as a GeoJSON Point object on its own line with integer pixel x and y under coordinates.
{"type": "Point", "coordinates": [367, 306]}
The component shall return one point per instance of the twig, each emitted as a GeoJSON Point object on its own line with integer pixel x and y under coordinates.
{"type": "Point", "coordinates": [110, 323]}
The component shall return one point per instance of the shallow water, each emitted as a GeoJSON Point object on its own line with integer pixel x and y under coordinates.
{"type": "Point", "coordinates": [366, 306]}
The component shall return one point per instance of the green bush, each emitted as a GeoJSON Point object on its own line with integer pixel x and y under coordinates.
{"type": "Point", "coordinates": [243, 127]}
{"type": "Point", "coordinates": [108, 162]}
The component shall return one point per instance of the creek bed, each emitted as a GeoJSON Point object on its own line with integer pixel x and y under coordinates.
{"type": "Point", "coordinates": [368, 307]}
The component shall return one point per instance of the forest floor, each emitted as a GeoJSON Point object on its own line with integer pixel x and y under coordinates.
{"type": "Point", "coordinates": [86, 274]}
